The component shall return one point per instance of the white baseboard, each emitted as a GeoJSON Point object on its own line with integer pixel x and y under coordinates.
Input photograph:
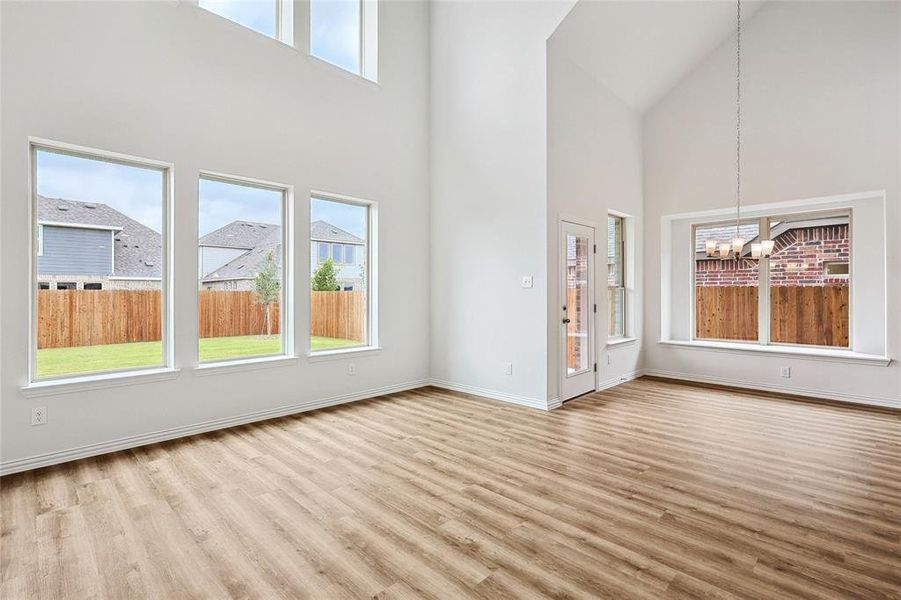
{"type": "Point", "coordinates": [53, 458]}
{"type": "Point", "coordinates": [614, 381]}
{"type": "Point", "coordinates": [494, 395]}
{"type": "Point", "coordinates": [782, 389]}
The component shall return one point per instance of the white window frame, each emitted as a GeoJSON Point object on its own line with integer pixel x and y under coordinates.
{"type": "Point", "coordinates": [40, 239]}
{"type": "Point", "coordinates": [167, 368]}
{"type": "Point", "coordinates": [370, 280]}
{"type": "Point", "coordinates": [286, 308]}
{"type": "Point", "coordinates": [284, 21]}
{"type": "Point", "coordinates": [368, 46]}
{"type": "Point", "coordinates": [763, 278]}
{"type": "Point", "coordinates": [625, 273]}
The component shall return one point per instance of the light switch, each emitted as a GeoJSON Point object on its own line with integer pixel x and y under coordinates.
{"type": "Point", "coordinates": [526, 281]}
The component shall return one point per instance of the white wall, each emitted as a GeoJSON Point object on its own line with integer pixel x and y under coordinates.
{"type": "Point", "coordinates": [489, 195]}
{"type": "Point", "coordinates": [594, 166]}
{"type": "Point", "coordinates": [821, 117]}
{"type": "Point", "coordinates": [170, 81]}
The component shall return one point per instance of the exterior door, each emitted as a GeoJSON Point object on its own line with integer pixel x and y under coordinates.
{"type": "Point", "coordinates": [577, 315]}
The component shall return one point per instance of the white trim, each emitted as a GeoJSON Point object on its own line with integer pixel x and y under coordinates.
{"type": "Point", "coordinates": [52, 458]}
{"type": "Point", "coordinates": [615, 381]}
{"type": "Point", "coordinates": [371, 277]}
{"type": "Point", "coordinates": [40, 235]}
{"type": "Point", "coordinates": [244, 364]}
{"type": "Point", "coordinates": [798, 207]}
{"type": "Point", "coordinates": [493, 395]}
{"type": "Point", "coordinates": [337, 353]}
{"type": "Point", "coordinates": [167, 171]}
{"type": "Point", "coordinates": [802, 352]}
{"type": "Point", "coordinates": [754, 386]}
{"type": "Point", "coordinates": [562, 220]}
{"type": "Point", "coordinates": [84, 383]}
{"type": "Point", "coordinates": [620, 341]}
{"type": "Point", "coordinates": [761, 210]}
{"type": "Point", "coordinates": [80, 225]}
{"type": "Point", "coordinates": [286, 300]}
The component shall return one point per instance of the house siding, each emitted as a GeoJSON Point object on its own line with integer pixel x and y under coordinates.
{"type": "Point", "coordinates": [213, 257]}
{"type": "Point", "coordinates": [75, 251]}
{"type": "Point", "coordinates": [347, 274]}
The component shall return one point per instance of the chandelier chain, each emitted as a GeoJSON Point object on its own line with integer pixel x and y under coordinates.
{"type": "Point", "coordinates": [738, 119]}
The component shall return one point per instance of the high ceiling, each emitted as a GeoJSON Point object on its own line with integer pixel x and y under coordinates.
{"type": "Point", "coordinates": [639, 49]}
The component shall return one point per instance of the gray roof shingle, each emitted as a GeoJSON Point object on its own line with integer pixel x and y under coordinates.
{"type": "Point", "coordinates": [322, 231]}
{"type": "Point", "coordinates": [248, 264]}
{"type": "Point", "coordinates": [239, 234]}
{"type": "Point", "coordinates": [138, 248]}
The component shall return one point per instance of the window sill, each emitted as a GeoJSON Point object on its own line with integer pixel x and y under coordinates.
{"type": "Point", "coordinates": [846, 356]}
{"type": "Point", "coordinates": [342, 353]}
{"type": "Point", "coordinates": [244, 364]}
{"type": "Point", "coordinates": [620, 341]}
{"type": "Point", "coordinates": [85, 383]}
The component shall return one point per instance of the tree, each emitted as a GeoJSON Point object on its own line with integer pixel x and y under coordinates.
{"type": "Point", "coordinates": [266, 287]}
{"type": "Point", "coordinates": [325, 278]}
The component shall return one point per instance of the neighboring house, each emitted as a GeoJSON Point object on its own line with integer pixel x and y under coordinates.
{"type": "Point", "coordinates": [813, 251]}
{"type": "Point", "coordinates": [346, 250]}
{"type": "Point", "coordinates": [230, 257]}
{"type": "Point", "coordinates": [89, 245]}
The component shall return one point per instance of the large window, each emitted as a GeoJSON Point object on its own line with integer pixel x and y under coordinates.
{"type": "Point", "coordinates": [344, 32]}
{"type": "Point", "coordinates": [342, 285]}
{"type": "Point", "coordinates": [726, 298]}
{"type": "Point", "coordinates": [269, 17]}
{"type": "Point", "coordinates": [799, 295]}
{"type": "Point", "coordinates": [241, 269]}
{"type": "Point", "coordinates": [616, 277]}
{"type": "Point", "coordinates": [100, 256]}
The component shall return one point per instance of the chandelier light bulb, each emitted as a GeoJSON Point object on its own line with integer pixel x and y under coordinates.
{"type": "Point", "coordinates": [711, 247]}
{"type": "Point", "coordinates": [724, 250]}
{"type": "Point", "coordinates": [766, 248]}
{"type": "Point", "coordinates": [756, 250]}
{"type": "Point", "coordinates": [737, 245]}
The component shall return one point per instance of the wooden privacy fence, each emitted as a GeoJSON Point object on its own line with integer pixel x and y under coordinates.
{"type": "Point", "coordinates": [68, 318]}
{"type": "Point", "coordinates": [229, 313]}
{"type": "Point", "coordinates": [89, 317]}
{"type": "Point", "coordinates": [338, 315]}
{"type": "Point", "coordinates": [810, 314]}
{"type": "Point", "coordinates": [813, 314]}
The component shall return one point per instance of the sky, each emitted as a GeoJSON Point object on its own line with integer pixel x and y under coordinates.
{"type": "Point", "coordinates": [334, 25]}
{"type": "Point", "coordinates": [258, 15]}
{"type": "Point", "coordinates": [134, 191]}
{"type": "Point", "coordinates": [220, 203]}
{"type": "Point", "coordinates": [349, 217]}
{"type": "Point", "coordinates": [138, 193]}
{"type": "Point", "coordinates": [335, 32]}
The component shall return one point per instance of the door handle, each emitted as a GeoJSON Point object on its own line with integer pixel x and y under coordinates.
{"type": "Point", "coordinates": [566, 320]}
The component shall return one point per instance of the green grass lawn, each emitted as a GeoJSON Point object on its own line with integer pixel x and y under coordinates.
{"type": "Point", "coordinates": [82, 359]}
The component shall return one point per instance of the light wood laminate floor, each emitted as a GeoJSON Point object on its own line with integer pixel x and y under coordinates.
{"type": "Point", "coordinates": [649, 490]}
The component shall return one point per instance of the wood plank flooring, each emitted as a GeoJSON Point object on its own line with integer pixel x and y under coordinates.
{"type": "Point", "coordinates": [649, 490]}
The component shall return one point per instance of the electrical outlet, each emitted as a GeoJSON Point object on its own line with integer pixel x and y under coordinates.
{"type": "Point", "coordinates": [526, 281]}
{"type": "Point", "coordinates": [39, 415]}
{"type": "Point", "coordinates": [785, 372]}
{"type": "Point", "coordinates": [351, 369]}
{"type": "Point", "coordinates": [609, 359]}
{"type": "Point", "coordinates": [508, 368]}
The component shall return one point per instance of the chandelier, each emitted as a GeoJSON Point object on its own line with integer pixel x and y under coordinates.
{"type": "Point", "coordinates": [764, 248]}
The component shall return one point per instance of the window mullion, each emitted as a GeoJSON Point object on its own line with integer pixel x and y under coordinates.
{"type": "Point", "coordinates": [763, 288]}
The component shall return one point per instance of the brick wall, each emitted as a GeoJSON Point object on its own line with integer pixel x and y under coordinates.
{"type": "Point", "coordinates": [799, 258]}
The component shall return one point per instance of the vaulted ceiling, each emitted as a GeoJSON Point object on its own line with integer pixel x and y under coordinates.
{"type": "Point", "coordinates": [640, 50]}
